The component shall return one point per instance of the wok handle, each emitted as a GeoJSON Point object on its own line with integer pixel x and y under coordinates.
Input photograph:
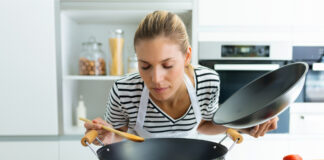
{"type": "Point", "coordinates": [234, 135]}
{"type": "Point", "coordinates": [89, 137]}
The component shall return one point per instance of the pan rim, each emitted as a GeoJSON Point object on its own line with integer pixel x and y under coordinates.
{"type": "Point", "coordinates": [222, 147]}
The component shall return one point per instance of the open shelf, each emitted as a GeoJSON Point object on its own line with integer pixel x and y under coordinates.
{"type": "Point", "coordinates": [81, 19]}
{"type": "Point", "coordinates": [79, 77]}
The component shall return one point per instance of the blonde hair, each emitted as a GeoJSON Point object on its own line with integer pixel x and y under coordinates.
{"type": "Point", "coordinates": [163, 23]}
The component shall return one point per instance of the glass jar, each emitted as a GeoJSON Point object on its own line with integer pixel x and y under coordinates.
{"type": "Point", "coordinates": [116, 44]}
{"type": "Point", "coordinates": [92, 62]}
{"type": "Point", "coordinates": [83, 60]}
{"type": "Point", "coordinates": [132, 64]}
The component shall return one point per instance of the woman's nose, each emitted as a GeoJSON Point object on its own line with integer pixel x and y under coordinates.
{"type": "Point", "coordinates": [157, 76]}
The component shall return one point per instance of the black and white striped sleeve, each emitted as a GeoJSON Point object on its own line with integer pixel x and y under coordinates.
{"type": "Point", "coordinates": [213, 106]}
{"type": "Point", "coordinates": [115, 115]}
{"type": "Point", "coordinates": [208, 92]}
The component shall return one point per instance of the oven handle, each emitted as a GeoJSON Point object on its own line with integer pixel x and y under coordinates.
{"type": "Point", "coordinates": [318, 67]}
{"type": "Point", "coordinates": [246, 67]}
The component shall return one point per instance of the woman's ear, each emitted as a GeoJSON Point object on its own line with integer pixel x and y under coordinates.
{"type": "Point", "coordinates": [188, 56]}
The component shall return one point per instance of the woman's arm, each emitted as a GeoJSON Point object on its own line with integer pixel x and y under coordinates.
{"type": "Point", "coordinates": [209, 128]}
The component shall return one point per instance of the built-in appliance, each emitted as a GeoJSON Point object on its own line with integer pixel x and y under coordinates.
{"type": "Point", "coordinates": [314, 85]}
{"type": "Point", "coordinates": [238, 63]}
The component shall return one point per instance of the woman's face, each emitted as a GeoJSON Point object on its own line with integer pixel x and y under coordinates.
{"type": "Point", "coordinates": [161, 65]}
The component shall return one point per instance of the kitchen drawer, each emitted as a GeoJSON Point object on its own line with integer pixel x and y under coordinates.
{"type": "Point", "coordinates": [307, 118]}
{"type": "Point", "coordinates": [29, 149]}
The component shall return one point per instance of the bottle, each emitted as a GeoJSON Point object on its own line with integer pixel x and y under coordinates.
{"type": "Point", "coordinates": [116, 44]}
{"type": "Point", "coordinates": [132, 64]}
{"type": "Point", "coordinates": [81, 111]}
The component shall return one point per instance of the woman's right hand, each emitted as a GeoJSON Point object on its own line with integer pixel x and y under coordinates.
{"type": "Point", "coordinates": [105, 136]}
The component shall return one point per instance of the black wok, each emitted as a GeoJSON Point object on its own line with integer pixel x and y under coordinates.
{"type": "Point", "coordinates": [263, 98]}
{"type": "Point", "coordinates": [162, 148]}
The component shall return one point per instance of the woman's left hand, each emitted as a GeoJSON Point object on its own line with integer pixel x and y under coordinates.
{"type": "Point", "coordinates": [262, 129]}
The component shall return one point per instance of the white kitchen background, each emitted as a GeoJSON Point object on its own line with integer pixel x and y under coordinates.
{"type": "Point", "coordinates": [40, 42]}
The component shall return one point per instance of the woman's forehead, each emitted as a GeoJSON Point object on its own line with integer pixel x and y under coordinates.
{"type": "Point", "coordinates": [158, 48]}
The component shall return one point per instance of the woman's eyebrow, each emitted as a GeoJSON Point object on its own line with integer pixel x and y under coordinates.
{"type": "Point", "coordinates": [160, 61]}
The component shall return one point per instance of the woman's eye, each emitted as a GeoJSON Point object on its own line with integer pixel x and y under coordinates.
{"type": "Point", "coordinates": [145, 67]}
{"type": "Point", "coordinates": [167, 67]}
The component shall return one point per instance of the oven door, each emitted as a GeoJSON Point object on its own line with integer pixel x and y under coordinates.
{"type": "Point", "coordinates": [314, 85]}
{"type": "Point", "coordinates": [234, 75]}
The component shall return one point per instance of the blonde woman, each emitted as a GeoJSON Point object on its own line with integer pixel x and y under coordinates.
{"type": "Point", "coordinates": [168, 97]}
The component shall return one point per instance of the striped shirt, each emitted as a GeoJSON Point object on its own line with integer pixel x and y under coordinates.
{"type": "Point", "coordinates": [123, 103]}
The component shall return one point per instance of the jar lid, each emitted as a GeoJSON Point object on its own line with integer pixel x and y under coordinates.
{"type": "Point", "coordinates": [119, 31]}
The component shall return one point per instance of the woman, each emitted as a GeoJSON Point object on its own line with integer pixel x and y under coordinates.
{"type": "Point", "coordinates": [168, 97]}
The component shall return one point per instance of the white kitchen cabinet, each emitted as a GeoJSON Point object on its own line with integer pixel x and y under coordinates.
{"type": "Point", "coordinates": [72, 149]}
{"type": "Point", "coordinates": [244, 13]}
{"type": "Point", "coordinates": [307, 22]}
{"type": "Point", "coordinates": [296, 21]}
{"type": "Point", "coordinates": [249, 20]}
{"type": "Point", "coordinates": [28, 69]}
{"type": "Point", "coordinates": [29, 149]}
{"type": "Point", "coordinates": [78, 20]}
{"type": "Point", "coordinates": [306, 118]}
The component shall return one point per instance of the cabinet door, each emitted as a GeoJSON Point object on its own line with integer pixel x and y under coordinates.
{"type": "Point", "coordinates": [28, 88]}
{"type": "Point", "coordinates": [244, 13]}
{"type": "Point", "coordinates": [72, 149]}
{"type": "Point", "coordinates": [29, 149]}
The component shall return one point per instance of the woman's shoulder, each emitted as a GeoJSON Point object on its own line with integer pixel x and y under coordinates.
{"type": "Point", "coordinates": [205, 72]}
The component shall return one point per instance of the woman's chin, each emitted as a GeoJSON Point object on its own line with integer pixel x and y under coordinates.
{"type": "Point", "coordinates": [161, 96]}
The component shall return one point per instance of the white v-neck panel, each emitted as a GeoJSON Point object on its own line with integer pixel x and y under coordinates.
{"type": "Point", "coordinates": [168, 116]}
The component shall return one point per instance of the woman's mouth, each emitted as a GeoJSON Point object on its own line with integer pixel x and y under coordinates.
{"type": "Point", "coordinates": [160, 90]}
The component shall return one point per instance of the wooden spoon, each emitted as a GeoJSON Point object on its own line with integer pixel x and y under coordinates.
{"type": "Point", "coordinates": [129, 136]}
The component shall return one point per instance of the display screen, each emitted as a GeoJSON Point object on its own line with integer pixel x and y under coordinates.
{"type": "Point", "coordinates": [245, 50]}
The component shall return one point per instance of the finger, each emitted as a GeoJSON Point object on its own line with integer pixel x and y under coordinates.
{"type": "Point", "coordinates": [92, 126]}
{"type": "Point", "coordinates": [104, 132]}
{"type": "Point", "coordinates": [98, 120]}
{"type": "Point", "coordinates": [266, 129]}
{"type": "Point", "coordinates": [263, 128]}
{"type": "Point", "coordinates": [273, 125]}
{"type": "Point", "coordinates": [254, 130]}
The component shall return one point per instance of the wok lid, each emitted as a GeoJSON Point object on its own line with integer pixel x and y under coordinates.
{"type": "Point", "coordinates": [263, 98]}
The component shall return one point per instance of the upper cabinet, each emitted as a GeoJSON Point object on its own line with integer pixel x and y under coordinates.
{"type": "Point", "coordinates": [28, 68]}
{"type": "Point", "coordinates": [298, 21]}
{"type": "Point", "coordinates": [308, 24]}
{"type": "Point", "coordinates": [244, 13]}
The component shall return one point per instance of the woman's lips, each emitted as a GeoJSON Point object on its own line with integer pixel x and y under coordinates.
{"type": "Point", "coordinates": [159, 90]}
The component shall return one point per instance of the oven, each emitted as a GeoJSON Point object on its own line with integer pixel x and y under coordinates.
{"type": "Point", "coordinates": [314, 84]}
{"type": "Point", "coordinates": [238, 63]}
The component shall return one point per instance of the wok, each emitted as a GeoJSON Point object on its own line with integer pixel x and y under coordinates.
{"type": "Point", "coordinates": [162, 148]}
{"type": "Point", "coordinates": [263, 98]}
